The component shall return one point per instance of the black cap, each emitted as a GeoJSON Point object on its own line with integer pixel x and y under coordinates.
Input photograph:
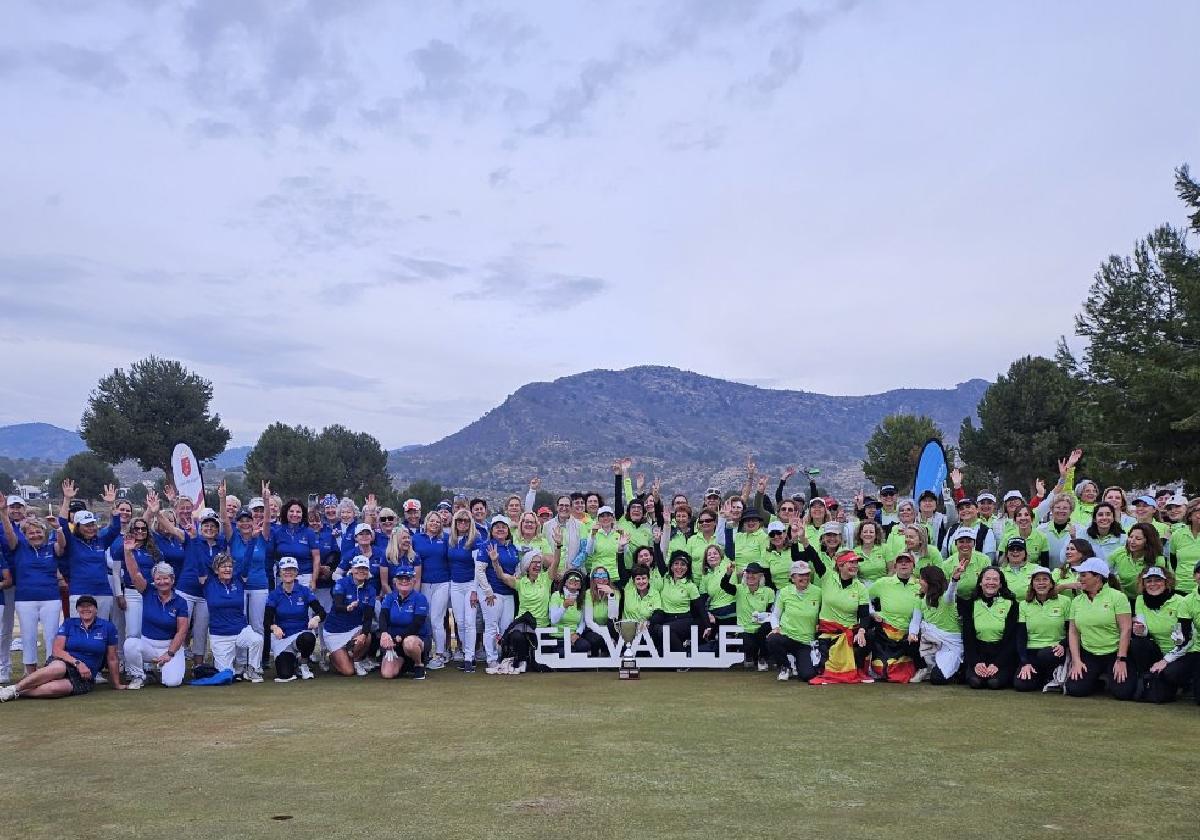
{"type": "Point", "coordinates": [1016, 543]}
{"type": "Point", "coordinates": [928, 493]}
{"type": "Point", "coordinates": [753, 568]}
{"type": "Point", "coordinates": [965, 500]}
{"type": "Point", "coordinates": [751, 513]}
{"type": "Point", "coordinates": [887, 488]}
{"type": "Point", "coordinates": [77, 505]}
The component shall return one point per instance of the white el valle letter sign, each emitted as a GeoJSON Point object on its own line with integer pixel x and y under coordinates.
{"type": "Point", "coordinates": [728, 652]}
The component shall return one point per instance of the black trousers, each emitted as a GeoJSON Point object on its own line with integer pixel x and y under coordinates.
{"type": "Point", "coordinates": [990, 653]}
{"type": "Point", "coordinates": [1099, 667]}
{"type": "Point", "coordinates": [779, 646]}
{"type": "Point", "coordinates": [755, 644]}
{"type": "Point", "coordinates": [1164, 686]}
{"type": "Point", "coordinates": [1044, 662]}
{"type": "Point", "coordinates": [680, 628]}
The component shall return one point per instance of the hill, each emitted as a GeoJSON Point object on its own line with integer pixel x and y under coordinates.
{"type": "Point", "coordinates": [233, 458]}
{"type": "Point", "coordinates": [690, 430]}
{"type": "Point", "coordinates": [39, 440]}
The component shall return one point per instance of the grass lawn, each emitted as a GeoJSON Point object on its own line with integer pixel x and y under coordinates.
{"type": "Point", "coordinates": [568, 756]}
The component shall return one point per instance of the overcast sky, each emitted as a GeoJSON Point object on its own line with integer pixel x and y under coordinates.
{"type": "Point", "coordinates": [392, 215]}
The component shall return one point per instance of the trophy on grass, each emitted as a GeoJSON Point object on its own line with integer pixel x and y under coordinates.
{"type": "Point", "coordinates": [629, 666]}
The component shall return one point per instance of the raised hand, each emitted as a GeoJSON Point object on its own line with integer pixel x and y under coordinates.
{"type": "Point", "coordinates": [639, 482]}
{"type": "Point", "coordinates": [266, 494]}
{"type": "Point", "coordinates": [221, 488]}
{"type": "Point", "coordinates": [492, 553]}
{"type": "Point", "coordinates": [1074, 457]}
{"type": "Point", "coordinates": [169, 491]}
{"type": "Point", "coordinates": [1040, 487]}
{"type": "Point", "coordinates": [69, 491]}
{"type": "Point", "coordinates": [110, 494]}
{"type": "Point", "coordinates": [616, 467]}
{"type": "Point", "coordinates": [788, 473]}
{"type": "Point", "coordinates": [762, 484]}
{"type": "Point", "coordinates": [153, 505]}
{"type": "Point", "coordinates": [956, 477]}
{"type": "Point", "coordinates": [622, 540]}
{"type": "Point", "coordinates": [626, 463]}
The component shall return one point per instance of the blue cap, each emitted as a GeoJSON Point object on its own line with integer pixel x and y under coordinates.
{"type": "Point", "coordinates": [405, 570]}
{"type": "Point", "coordinates": [329, 499]}
{"type": "Point", "coordinates": [245, 513]}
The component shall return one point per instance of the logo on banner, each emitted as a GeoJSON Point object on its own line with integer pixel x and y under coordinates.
{"type": "Point", "coordinates": [186, 466]}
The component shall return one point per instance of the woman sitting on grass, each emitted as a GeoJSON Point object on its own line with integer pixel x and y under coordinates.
{"type": "Point", "coordinates": [347, 632]}
{"type": "Point", "coordinates": [1041, 632]}
{"type": "Point", "coordinates": [292, 628]}
{"type": "Point", "coordinates": [1099, 634]}
{"type": "Point", "coordinates": [989, 631]}
{"type": "Point", "coordinates": [936, 625]}
{"type": "Point", "coordinates": [164, 625]}
{"type": "Point", "coordinates": [404, 631]}
{"type": "Point", "coordinates": [81, 646]}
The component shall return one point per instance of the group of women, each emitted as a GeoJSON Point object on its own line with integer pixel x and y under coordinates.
{"type": "Point", "coordinates": [1066, 591]}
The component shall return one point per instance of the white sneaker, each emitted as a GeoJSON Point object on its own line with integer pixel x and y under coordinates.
{"type": "Point", "coordinates": [436, 663]}
{"type": "Point", "coordinates": [785, 674]}
{"type": "Point", "coordinates": [9, 692]}
{"type": "Point", "coordinates": [285, 679]}
{"type": "Point", "coordinates": [305, 672]}
{"type": "Point", "coordinates": [101, 679]}
{"type": "Point", "coordinates": [136, 683]}
{"type": "Point", "coordinates": [360, 668]}
{"type": "Point", "coordinates": [492, 668]}
{"type": "Point", "coordinates": [457, 656]}
{"type": "Point", "coordinates": [763, 665]}
{"type": "Point", "coordinates": [252, 675]}
{"type": "Point", "coordinates": [920, 676]}
{"type": "Point", "coordinates": [520, 669]}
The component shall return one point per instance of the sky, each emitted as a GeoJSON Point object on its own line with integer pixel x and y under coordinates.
{"type": "Point", "coordinates": [391, 215]}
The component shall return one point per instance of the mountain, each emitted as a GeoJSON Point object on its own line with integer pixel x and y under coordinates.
{"type": "Point", "coordinates": [689, 430]}
{"type": "Point", "coordinates": [39, 440]}
{"type": "Point", "coordinates": [233, 458]}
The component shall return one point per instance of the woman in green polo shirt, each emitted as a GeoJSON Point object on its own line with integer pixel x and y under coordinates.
{"type": "Point", "coordinates": [1156, 616]}
{"type": "Point", "coordinates": [718, 605]}
{"type": "Point", "coordinates": [566, 612]}
{"type": "Point", "coordinates": [989, 631]}
{"type": "Point", "coordinates": [1142, 550]}
{"type": "Point", "coordinates": [936, 624]}
{"type": "Point", "coordinates": [681, 605]}
{"type": "Point", "coordinates": [601, 605]}
{"type": "Point", "coordinates": [794, 624]}
{"type": "Point", "coordinates": [1185, 549]}
{"type": "Point", "coordinates": [753, 603]}
{"type": "Point", "coordinates": [894, 598]}
{"type": "Point", "coordinates": [1041, 632]}
{"type": "Point", "coordinates": [1181, 667]}
{"type": "Point", "coordinates": [868, 545]}
{"type": "Point", "coordinates": [1016, 567]}
{"type": "Point", "coordinates": [1099, 635]}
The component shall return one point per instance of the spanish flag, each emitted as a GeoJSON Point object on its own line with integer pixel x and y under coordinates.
{"type": "Point", "coordinates": [839, 666]}
{"type": "Point", "coordinates": [887, 659]}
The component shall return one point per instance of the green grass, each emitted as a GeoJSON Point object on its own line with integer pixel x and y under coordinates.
{"type": "Point", "coordinates": [568, 756]}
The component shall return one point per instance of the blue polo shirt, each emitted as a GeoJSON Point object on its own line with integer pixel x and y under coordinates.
{"type": "Point", "coordinates": [88, 644]}
{"type": "Point", "coordinates": [197, 563]}
{"type": "Point", "coordinates": [226, 605]}
{"type": "Point", "coordinates": [86, 566]}
{"type": "Point", "coordinates": [462, 561]}
{"type": "Point", "coordinates": [158, 619]}
{"type": "Point", "coordinates": [509, 559]}
{"type": "Point", "coordinates": [340, 622]}
{"type": "Point", "coordinates": [144, 559]}
{"type": "Point", "coordinates": [34, 570]}
{"type": "Point", "coordinates": [435, 563]}
{"type": "Point", "coordinates": [291, 608]}
{"type": "Point", "coordinates": [171, 550]}
{"type": "Point", "coordinates": [294, 541]}
{"type": "Point", "coordinates": [404, 614]}
{"type": "Point", "coordinates": [376, 557]}
{"type": "Point", "coordinates": [250, 560]}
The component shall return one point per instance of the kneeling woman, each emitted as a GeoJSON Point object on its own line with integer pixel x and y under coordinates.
{"type": "Point", "coordinates": [1041, 632]}
{"type": "Point", "coordinates": [566, 613]}
{"type": "Point", "coordinates": [936, 626]}
{"type": "Point", "coordinates": [841, 626]}
{"type": "Point", "coordinates": [989, 631]}
{"type": "Point", "coordinates": [235, 644]}
{"type": "Point", "coordinates": [753, 602]}
{"type": "Point", "coordinates": [80, 646]}
{"type": "Point", "coordinates": [533, 588]}
{"type": "Point", "coordinates": [164, 625]}
{"type": "Point", "coordinates": [293, 630]}
{"type": "Point", "coordinates": [1099, 634]}
{"type": "Point", "coordinates": [794, 624]}
{"type": "Point", "coordinates": [1152, 648]}
{"type": "Point", "coordinates": [681, 604]}
{"type": "Point", "coordinates": [404, 630]}
{"type": "Point", "coordinates": [347, 631]}
{"type": "Point", "coordinates": [894, 598]}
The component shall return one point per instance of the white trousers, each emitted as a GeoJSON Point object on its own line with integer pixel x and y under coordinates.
{"type": "Point", "coordinates": [940, 648]}
{"type": "Point", "coordinates": [496, 619]}
{"type": "Point", "coordinates": [438, 595]}
{"type": "Point", "coordinates": [139, 651]}
{"type": "Point", "coordinates": [104, 605]}
{"type": "Point", "coordinates": [198, 610]}
{"type": "Point", "coordinates": [464, 616]}
{"type": "Point", "coordinates": [324, 598]}
{"type": "Point", "coordinates": [256, 608]}
{"type": "Point", "coordinates": [229, 651]}
{"type": "Point", "coordinates": [48, 613]}
{"type": "Point", "coordinates": [133, 614]}
{"type": "Point", "coordinates": [7, 613]}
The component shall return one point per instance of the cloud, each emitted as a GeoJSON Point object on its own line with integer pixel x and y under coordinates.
{"type": "Point", "coordinates": [96, 68]}
{"type": "Point", "coordinates": [319, 213]}
{"type": "Point", "coordinates": [790, 32]}
{"type": "Point", "coordinates": [511, 279]}
{"type": "Point", "coordinates": [687, 136]}
{"type": "Point", "coordinates": [402, 271]}
{"type": "Point", "coordinates": [443, 68]}
{"type": "Point", "coordinates": [213, 129]}
{"type": "Point", "coordinates": [499, 177]}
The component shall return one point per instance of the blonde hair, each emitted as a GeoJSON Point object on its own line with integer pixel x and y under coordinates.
{"type": "Point", "coordinates": [393, 549]}
{"type": "Point", "coordinates": [433, 517]}
{"type": "Point", "coordinates": [469, 543]}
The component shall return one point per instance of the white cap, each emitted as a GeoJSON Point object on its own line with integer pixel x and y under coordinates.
{"type": "Point", "coordinates": [256, 502]}
{"type": "Point", "coordinates": [1014, 494]}
{"type": "Point", "coordinates": [1039, 570]}
{"type": "Point", "coordinates": [1178, 500]}
{"type": "Point", "coordinates": [363, 528]}
{"type": "Point", "coordinates": [209, 514]}
{"type": "Point", "coordinates": [603, 510]}
{"type": "Point", "coordinates": [16, 500]}
{"type": "Point", "coordinates": [963, 533]}
{"type": "Point", "coordinates": [799, 567]}
{"type": "Point", "coordinates": [987, 497]}
{"type": "Point", "coordinates": [1154, 571]}
{"type": "Point", "coordinates": [360, 562]}
{"type": "Point", "coordinates": [84, 517]}
{"type": "Point", "coordinates": [1094, 565]}
{"type": "Point", "coordinates": [776, 527]}
{"type": "Point", "coordinates": [500, 520]}
{"type": "Point", "coordinates": [288, 563]}
{"type": "Point", "coordinates": [831, 528]}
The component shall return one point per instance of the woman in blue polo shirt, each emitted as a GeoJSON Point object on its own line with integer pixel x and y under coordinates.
{"type": "Point", "coordinates": [35, 570]}
{"type": "Point", "coordinates": [433, 548]}
{"type": "Point", "coordinates": [86, 552]}
{"type": "Point", "coordinates": [464, 603]}
{"type": "Point", "coordinates": [293, 629]}
{"type": "Point", "coordinates": [199, 552]}
{"type": "Point", "coordinates": [146, 555]}
{"type": "Point", "coordinates": [164, 625]}
{"type": "Point", "coordinates": [249, 552]}
{"type": "Point", "coordinates": [329, 548]}
{"type": "Point", "coordinates": [81, 646]}
{"type": "Point", "coordinates": [404, 631]}
{"type": "Point", "coordinates": [293, 538]}
{"type": "Point", "coordinates": [235, 644]}
{"type": "Point", "coordinates": [499, 603]}
{"type": "Point", "coordinates": [347, 631]}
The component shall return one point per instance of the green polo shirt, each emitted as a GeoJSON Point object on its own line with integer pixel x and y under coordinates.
{"type": "Point", "coordinates": [1127, 568]}
{"type": "Point", "coordinates": [897, 599]}
{"type": "Point", "coordinates": [1189, 607]}
{"type": "Point", "coordinates": [1160, 623]}
{"type": "Point", "coordinates": [749, 548]}
{"type": "Point", "coordinates": [677, 595]}
{"type": "Point", "coordinates": [1018, 578]}
{"type": "Point", "coordinates": [604, 551]}
{"type": "Point", "coordinates": [1185, 548]}
{"type": "Point", "coordinates": [748, 603]}
{"type": "Point", "coordinates": [871, 566]}
{"type": "Point", "coordinates": [840, 603]}
{"type": "Point", "coordinates": [535, 597]}
{"type": "Point", "coordinates": [970, 575]}
{"type": "Point", "coordinates": [1096, 619]}
{"type": "Point", "coordinates": [779, 563]}
{"type": "Point", "coordinates": [990, 619]}
{"type": "Point", "coordinates": [944, 616]}
{"type": "Point", "coordinates": [710, 585]}
{"type": "Point", "coordinates": [798, 612]}
{"type": "Point", "coordinates": [570, 618]}
{"type": "Point", "coordinates": [640, 607]}
{"type": "Point", "coordinates": [599, 607]}
{"type": "Point", "coordinates": [1045, 622]}
{"type": "Point", "coordinates": [695, 546]}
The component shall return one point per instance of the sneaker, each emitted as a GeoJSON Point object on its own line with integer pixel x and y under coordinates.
{"type": "Point", "coordinates": [252, 675]}
{"type": "Point", "coordinates": [436, 663]}
{"type": "Point", "coordinates": [419, 672]}
{"type": "Point", "coordinates": [457, 656]}
{"type": "Point", "coordinates": [785, 674]}
{"type": "Point", "coordinates": [763, 665]}
{"type": "Point", "coordinates": [285, 679]}
{"type": "Point", "coordinates": [866, 680]}
{"type": "Point", "coordinates": [520, 669]}
{"type": "Point", "coordinates": [492, 668]}
{"type": "Point", "coordinates": [920, 676]}
{"type": "Point", "coordinates": [468, 668]}
{"type": "Point", "coordinates": [360, 668]}
{"type": "Point", "coordinates": [101, 679]}
{"type": "Point", "coordinates": [748, 664]}
{"type": "Point", "coordinates": [9, 692]}
{"type": "Point", "coordinates": [305, 671]}
{"type": "Point", "coordinates": [371, 664]}
{"type": "Point", "coordinates": [136, 683]}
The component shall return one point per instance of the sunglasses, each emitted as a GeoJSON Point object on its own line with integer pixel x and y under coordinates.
{"type": "Point", "coordinates": [139, 529]}
{"type": "Point", "coordinates": [787, 509]}
{"type": "Point", "coordinates": [707, 521]}
{"type": "Point", "coordinates": [387, 519]}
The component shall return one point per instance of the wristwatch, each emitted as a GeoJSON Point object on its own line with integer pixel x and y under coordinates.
{"type": "Point", "coordinates": [1121, 658]}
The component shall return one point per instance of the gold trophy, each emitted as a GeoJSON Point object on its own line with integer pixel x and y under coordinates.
{"type": "Point", "coordinates": [629, 666]}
